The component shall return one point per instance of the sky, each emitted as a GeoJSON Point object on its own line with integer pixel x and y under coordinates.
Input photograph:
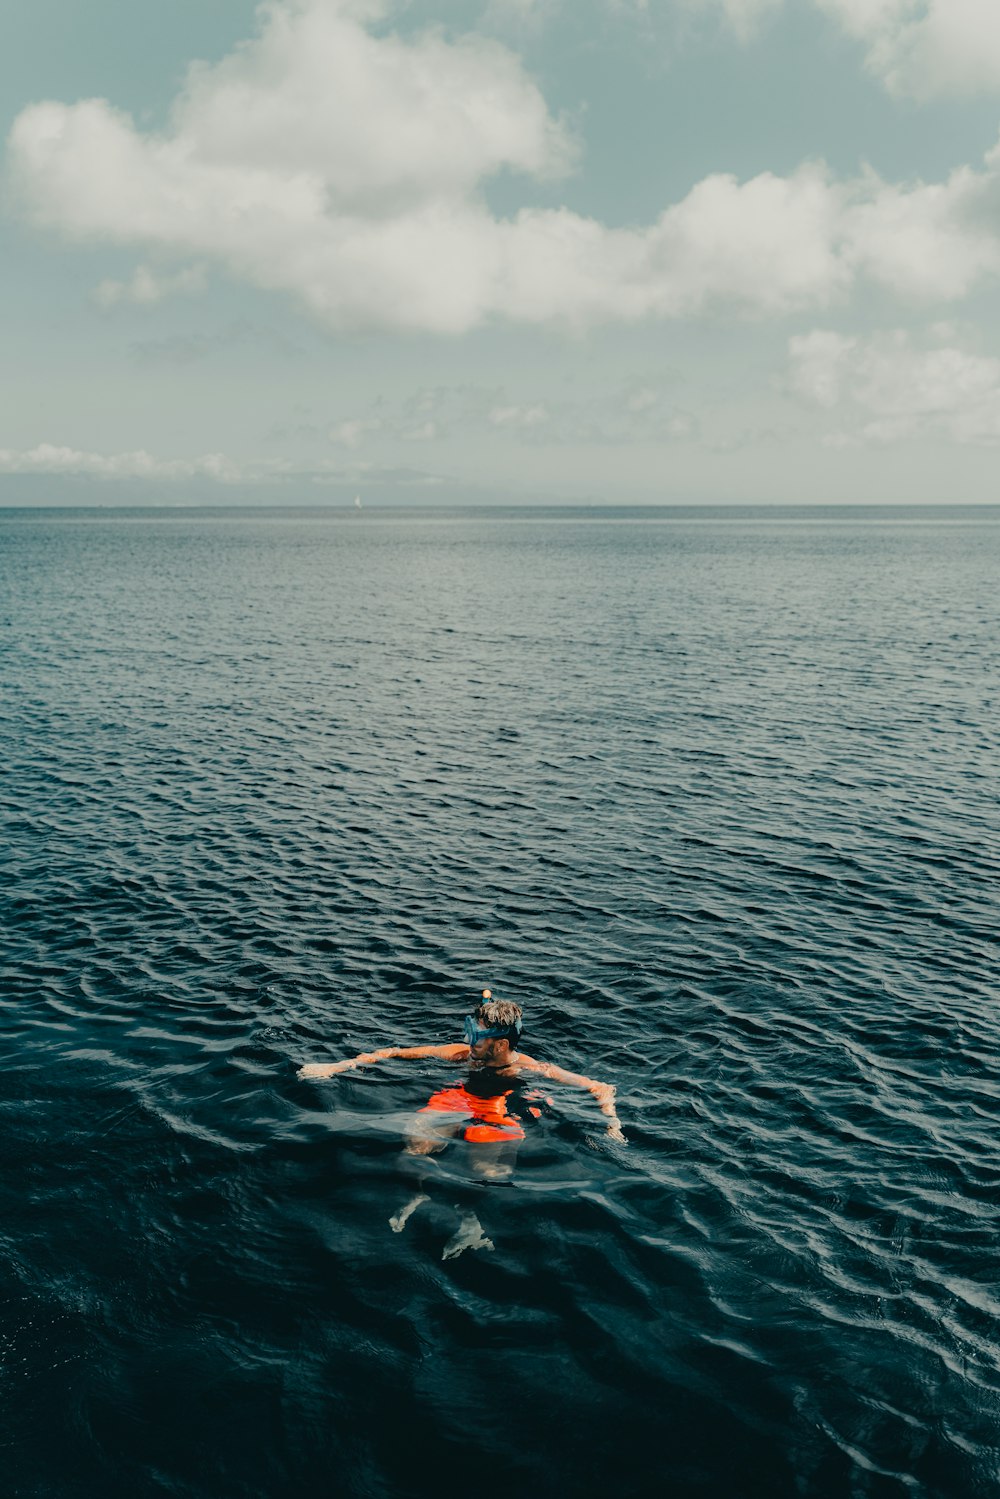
{"type": "Point", "coordinates": [500, 251]}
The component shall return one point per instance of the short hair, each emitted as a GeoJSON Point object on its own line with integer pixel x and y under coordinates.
{"type": "Point", "coordinates": [498, 1014]}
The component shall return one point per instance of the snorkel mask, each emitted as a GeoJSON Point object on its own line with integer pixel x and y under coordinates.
{"type": "Point", "coordinates": [474, 1032]}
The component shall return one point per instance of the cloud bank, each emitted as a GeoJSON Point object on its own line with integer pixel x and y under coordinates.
{"type": "Point", "coordinates": [219, 468]}
{"type": "Point", "coordinates": [50, 458]}
{"type": "Point", "coordinates": [335, 161]}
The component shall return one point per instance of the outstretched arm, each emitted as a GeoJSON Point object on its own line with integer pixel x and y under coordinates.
{"type": "Point", "coordinates": [603, 1092]}
{"type": "Point", "coordinates": [364, 1058]}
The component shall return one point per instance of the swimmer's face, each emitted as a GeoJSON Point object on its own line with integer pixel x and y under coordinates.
{"type": "Point", "coordinates": [485, 1045]}
{"type": "Point", "coordinates": [485, 1050]}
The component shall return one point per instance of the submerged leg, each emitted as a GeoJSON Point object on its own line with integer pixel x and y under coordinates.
{"type": "Point", "coordinates": [427, 1137]}
{"type": "Point", "coordinates": [468, 1235]}
{"type": "Point", "coordinates": [398, 1220]}
{"type": "Point", "coordinates": [493, 1163]}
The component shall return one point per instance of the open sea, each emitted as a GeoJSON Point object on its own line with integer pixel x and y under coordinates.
{"type": "Point", "coordinates": [712, 794]}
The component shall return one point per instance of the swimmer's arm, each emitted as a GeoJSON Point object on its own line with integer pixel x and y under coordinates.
{"type": "Point", "coordinates": [365, 1058]}
{"type": "Point", "coordinates": [603, 1092]}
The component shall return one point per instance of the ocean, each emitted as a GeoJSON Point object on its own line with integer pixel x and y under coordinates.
{"type": "Point", "coordinates": [711, 794]}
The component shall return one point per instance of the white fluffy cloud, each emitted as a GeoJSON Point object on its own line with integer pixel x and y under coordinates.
{"type": "Point", "coordinates": [317, 158]}
{"type": "Point", "coordinates": [886, 388]}
{"type": "Point", "coordinates": [920, 48]}
{"type": "Point", "coordinates": [926, 47]}
{"type": "Point", "coordinates": [345, 166]}
{"type": "Point", "coordinates": [929, 240]}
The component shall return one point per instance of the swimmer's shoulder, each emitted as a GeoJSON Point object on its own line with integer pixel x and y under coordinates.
{"type": "Point", "coordinates": [522, 1062]}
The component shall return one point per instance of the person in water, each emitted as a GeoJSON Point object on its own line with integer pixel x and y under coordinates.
{"type": "Point", "coordinates": [483, 1107]}
{"type": "Point", "coordinates": [479, 1107]}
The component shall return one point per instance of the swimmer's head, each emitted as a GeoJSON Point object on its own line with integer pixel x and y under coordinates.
{"type": "Point", "coordinates": [499, 1017]}
{"type": "Point", "coordinates": [498, 1014]}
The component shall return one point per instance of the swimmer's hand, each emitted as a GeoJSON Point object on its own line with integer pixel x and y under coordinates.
{"type": "Point", "coordinates": [326, 1069]}
{"type": "Point", "coordinates": [605, 1095]}
{"type": "Point", "coordinates": [365, 1058]}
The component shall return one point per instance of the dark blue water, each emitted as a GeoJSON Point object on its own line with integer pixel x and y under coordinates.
{"type": "Point", "coordinates": [712, 795]}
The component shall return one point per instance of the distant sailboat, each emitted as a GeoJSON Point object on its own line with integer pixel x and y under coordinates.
{"type": "Point", "coordinates": [357, 502]}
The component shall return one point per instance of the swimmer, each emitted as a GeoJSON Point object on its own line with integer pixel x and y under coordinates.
{"type": "Point", "coordinates": [479, 1106]}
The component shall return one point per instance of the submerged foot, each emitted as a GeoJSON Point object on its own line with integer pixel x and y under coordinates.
{"type": "Point", "coordinates": [398, 1220]}
{"type": "Point", "coordinates": [468, 1235]}
{"type": "Point", "coordinates": [494, 1171]}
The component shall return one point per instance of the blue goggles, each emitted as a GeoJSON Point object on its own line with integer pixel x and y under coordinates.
{"type": "Point", "coordinates": [474, 1032]}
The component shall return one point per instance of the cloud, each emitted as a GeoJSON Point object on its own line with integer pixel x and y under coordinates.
{"type": "Point", "coordinates": [917, 48]}
{"type": "Point", "coordinates": [345, 166]}
{"type": "Point", "coordinates": [75, 463]}
{"type": "Point", "coordinates": [49, 458]}
{"type": "Point", "coordinates": [744, 16]}
{"type": "Point", "coordinates": [518, 418]}
{"type": "Point", "coordinates": [818, 366]}
{"type": "Point", "coordinates": [637, 410]}
{"type": "Point", "coordinates": [421, 432]}
{"type": "Point", "coordinates": [353, 432]}
{"type": "Point", "coordinates": [518, 12]}
{"type": "Point", "coordinates": [929, 240]}
{"type": "Point", "coordinates": [925, 48]}
{"type": "Point", "coordinates": [888, 388]}
{"type": "Point", "coordinates": [317, 158]}
{"type": "Point", "coordinates": [145, 286]}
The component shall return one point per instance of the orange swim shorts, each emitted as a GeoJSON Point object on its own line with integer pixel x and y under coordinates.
{"type": "Point", "coordinates": [488, 1119]}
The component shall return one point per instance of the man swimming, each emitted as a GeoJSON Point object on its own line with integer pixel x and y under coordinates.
{"type": "Point", "coordinates": [478, 1107]}
{"type": "Point", "coordinates": [483, 1107]}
